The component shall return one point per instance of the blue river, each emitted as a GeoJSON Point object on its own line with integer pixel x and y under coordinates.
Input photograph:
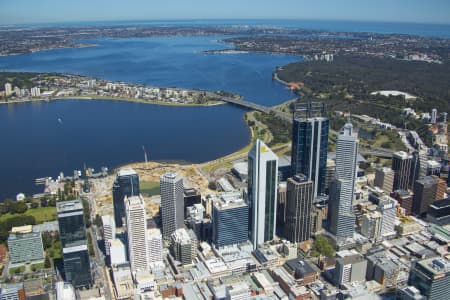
{"type": "Point", "coordinates": [109, 133]}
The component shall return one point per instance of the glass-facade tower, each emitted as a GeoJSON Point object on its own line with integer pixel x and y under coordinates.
{"type": "Point", "coordinates": [262, 193]}
{"type": "Point", "coordinates": [126, 184]}
{"type": "Point", "coordinates": [310, 144]}
{"type": "Point", "coordinates": [72, 231]}
{"type": "Point", "coordinates": [341, 219]}
{"type": "Point", "coordinates": [230, 222]}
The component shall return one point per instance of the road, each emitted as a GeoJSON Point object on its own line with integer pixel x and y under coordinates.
{"type": "Point", "coordinates": [98, 263]}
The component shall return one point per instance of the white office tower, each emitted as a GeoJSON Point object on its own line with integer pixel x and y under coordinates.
{"type": "Point", "coordinates": [388, 208]}
{"type": "Point", "coordinates": [35, 92]}
{"type": "Point", "coordinates": [64, 291]}
{"type": "Point", "coordinates": [155, 247]}
{"type": "Point", "coordinates": [341, 218]}
{"type": "Point", "coordinates": [137, 233]}
{"type": "Point", "coordinates": [172, 204]}
{"type": "Point", "coordinates": [118, 254]}
{"type": "Point", "coordinates": [434, 116]}
{"type": "Point", "coordinates": [8, 89]}
{"type": "Point", "coordinates": [109, 231]}
{"type": "Point", "coordinates": [262, 192]}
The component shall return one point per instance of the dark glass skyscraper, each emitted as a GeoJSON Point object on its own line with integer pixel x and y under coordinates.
{"type": "Point", "coordinates": [310, 143]}
{"type": "Point", "coordinates": [72, 231]}
{"type": "Point", "coordinates": [299, 203]}
{"type": "Point", "coordinates": [126, 184]}
{"type": "Point", "coordinates": [403, 168]}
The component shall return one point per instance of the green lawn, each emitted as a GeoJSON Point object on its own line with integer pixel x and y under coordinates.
{"type": "Point", "coordinates": [42, 214]}
{"type": "Point", "coordinates": [149, 187]}
{"type": "Point", "coordinates": [17, 270]}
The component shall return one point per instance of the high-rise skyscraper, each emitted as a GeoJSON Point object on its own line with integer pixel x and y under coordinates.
{"type": "Point", "coordinates": [72, 232]}
{"type": "Point", "coordinates": [387, 206]}
{"type": "Point", "coordinates": [426, 191]}
{"type": "Point", "coordinates": [109, 231]}
{"type": "Point", "coordinates": [126, 184]}
{"type": "Point", "coordinates": [155, 246]}
{"type": "Point", "coordinates": [402, 166]}
{"type": "Point", "coordinates": [341, 219]}
{"type": "Point", "coordinates": [384, 179]}
{"type": "Point", "coordinates": [299, 202]}
{"type": "Point", "coordinates": [432, 277]}
{"type": "Point", "coordinates": [137, 233]}
{"type": "Point", "coordinates": [172, 203]}
{"type": "Point", "coordinates": [434, 116]}
{"type": "Point", "coordinates": [419, 166]}
{"type": "Point", "coordinates": [310, 143]}
{"type": "Point", "coordinates": [230, 221]}
{"type": "Point", "coordinates": [262, 192]}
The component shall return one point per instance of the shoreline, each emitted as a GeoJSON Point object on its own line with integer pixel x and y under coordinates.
{"type": "Point", "coordinates": [106, 98]}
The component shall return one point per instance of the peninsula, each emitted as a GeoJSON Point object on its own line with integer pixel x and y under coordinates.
{"type": "Point", "coordinates": [26, 87]}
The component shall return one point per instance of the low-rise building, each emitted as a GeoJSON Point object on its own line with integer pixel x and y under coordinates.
{"type": "Point", "coordinates": [304, 272]}
{"type": "Point", "coordinates": [25, 246]}
{"type": "Point", "coordinates": [123, 282]}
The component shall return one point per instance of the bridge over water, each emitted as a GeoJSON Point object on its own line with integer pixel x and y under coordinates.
{"type": "Point", "coordinates": [252, 106]}
{"type": "Point", "coordinates": [375, 151]}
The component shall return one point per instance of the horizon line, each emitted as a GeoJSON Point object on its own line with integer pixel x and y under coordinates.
{"type": "Point", "coordinates": [221, 19]}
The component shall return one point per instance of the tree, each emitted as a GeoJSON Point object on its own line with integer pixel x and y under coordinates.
{"type": "Point", "coordinates": [19, 207]}
{"type": "Point", "coordinates": [47, 263]}
{"type": "Point", "coordinates": [98, 221]}
{"type": "Point", "coordinates": [212, 185]}
{"type": "Point", "coordinates": [322, 246]}
{"type": "Point", "coordinates": [47, 240]}
{"type": "Point", "coordinates": [87, 213]}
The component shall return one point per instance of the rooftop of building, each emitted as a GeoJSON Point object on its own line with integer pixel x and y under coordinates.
{"type": "Point", "coordinates": [226, 202]}
{"type": "Point", "coordinates": [402, 155]}
{"type": "Point", "coordinates": [189, 192]}
{"type": "Point", "coordinates": [116, 243]}
{"type": "Point", "coordinates": [349, 257]}
{"type": "Point", "coordinates": [23, 236]}
{"type": "Point", "coordinates": [427, 180]}
{"type": "Point", "coordinates": [108, 220]}
{"type": "Point", "coordinates": [68, 206]}
{"type": "Point", "coordinates": [402, 193]}
{"type": "Point", "coordinates": [182, 236]}
{"type": "Point", "coordinates": [439, 204]}
{"type": "Point", "coordinates": [300, 266]}
{"type": "Point", "coordinates": [126, 172]}
{"type": "Point", "coordinates": [436, 265]}
{"type": "Point", "coordinates": [134, 201]}
{"type": "Point", "coordinates": [22, 229]}
{"type": "Point", "coordinates": [169, 176]}
{"type": "Point", "coordinates": [433, 164]}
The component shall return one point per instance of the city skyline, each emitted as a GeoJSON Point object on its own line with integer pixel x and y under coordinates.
{"type": "Point", "coordinates": [415, 11]}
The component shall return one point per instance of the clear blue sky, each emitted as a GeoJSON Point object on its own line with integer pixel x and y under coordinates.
{"type": "Point", "coordinates": [31, 11]}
